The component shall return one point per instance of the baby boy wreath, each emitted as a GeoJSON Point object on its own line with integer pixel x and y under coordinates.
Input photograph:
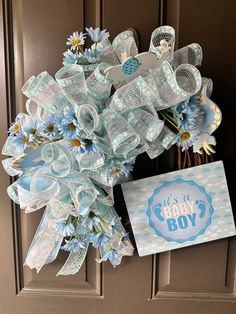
{"type": "Point", "coordinates": [83, 131]}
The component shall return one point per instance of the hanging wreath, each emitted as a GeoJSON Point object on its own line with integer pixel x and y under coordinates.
{"type": "Point", "coordinates": [79, 139]}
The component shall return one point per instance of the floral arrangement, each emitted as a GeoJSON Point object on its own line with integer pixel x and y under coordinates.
{"type": "Point", "coordinates": [79, 138]}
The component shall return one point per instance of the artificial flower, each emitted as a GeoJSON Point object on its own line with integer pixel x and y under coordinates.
{"type": "Point", "coordinates": [76, 145]}
{"type": "Point", "coordinates": [189, 114]}
{"type": "Point", "coordinates": [30, 126]}
{"type": "Point", "coordinates": [185, 139]}
{"type": "Point", "coordinates": [69, 57]}
{"type": "Point", "coordinates": [14, 128]}
{"type": "Point", "coordinates": [68, 129]}
{"type": "Point", "coordinates": [74, 245]}
{"type": "Point", "coordinates": [49, 127]}
{"type": "Point", "coordinates": [112, 255]}
{"type": "Point", "coordinates": [122, 169]}
{"type": "Point", "coordinates": [65, 228]}
{"type": "Point", "coordinates": [96, 223]}
{"type": "Point", "coordinates": [98, 239]}
{"type": "Point", "coordinates": [75, 40]}
{"type": "Point", "coordinates": [97, 35]}
{"type": "Point", "coordinates": [90, 145]}
{"type": "Point", "coordinates": [22, 140]}
{"type": "Point", "coordinates": [91, 55]}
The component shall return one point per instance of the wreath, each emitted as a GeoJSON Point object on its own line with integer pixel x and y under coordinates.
{"type": "Point", "coordinates": [83, 131]}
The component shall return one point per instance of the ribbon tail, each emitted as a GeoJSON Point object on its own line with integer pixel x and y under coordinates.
{"type": "Point", "coordinates": [73, 262]}
{"type": "Point", "coordinates": [45, 245]}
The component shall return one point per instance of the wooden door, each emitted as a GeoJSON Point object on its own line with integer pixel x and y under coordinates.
{"type": "Point", "coordinates": [197, 279]}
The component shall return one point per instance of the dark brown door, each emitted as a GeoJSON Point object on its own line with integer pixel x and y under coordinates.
{"type": "Point", "coordinates": [197, 279]}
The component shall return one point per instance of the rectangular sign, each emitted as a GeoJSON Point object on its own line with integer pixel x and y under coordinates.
{"type": "Point", "coordinates": [180, 208]}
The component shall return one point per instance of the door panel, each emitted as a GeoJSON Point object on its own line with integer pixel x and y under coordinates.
{"type": "Point", "coordinates": [197, 279]}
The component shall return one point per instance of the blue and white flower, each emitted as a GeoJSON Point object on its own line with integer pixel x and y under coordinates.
{"type": "Point", "coordinates": [97, 35]}
{"type": "Point", "coordinates": [65, 228]}
{"type": "Point", "coordinates": [30, 126]}
{"type": "Point", "coordinates": [97, 224]}
{"type": "Point", "coordinates": [14, 128]}
{"type": "Point", "coordinates": [91, 145]}
{"type": "Point", "coordinates": [67, 124]}
{"type": "Point", "coordinates": [69, 113]}
{"type": "Point", "coordinates": [22, 140]}
{"type": "Point", "coordinates": [112, 255]}
{"type": "Point", "coordinates": [98, 239]}
{"type": "Point", "coordinates": [49, 127]}
{"type": "Point", "coordinates": [75, 40]}
{"type": "Point", "coordinates": [68, 128]}
{"type": "Point", "coordinates": [74, 245]}
{"type": "Point", "coordinates": [185, 139]}
{"type": "Point", "coordinates": [69, 57]}
{"type": "Point", "coordinates": [121, 169]}
{"type": "Point", "coordinates": [76, 145]}
{"type": "Point", "coordinates": [189, 114]}
{"type": "Point", "coordinates": [92, 55]}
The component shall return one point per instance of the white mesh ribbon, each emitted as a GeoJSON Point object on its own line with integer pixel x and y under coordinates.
{"type": "Point", "coordinates": [45, 245]}
{"type": "Point", "coordinates": [71, 79]}
{"type": "Point", "coordinates": [77, 185]}
{"type": "Point", "coordinates": [125, 46]}
{"type": "Point", "coordinates": [164, 34]}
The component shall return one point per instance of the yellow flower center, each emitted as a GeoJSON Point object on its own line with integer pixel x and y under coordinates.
{"type": "Point", "coordinates": [16, 127]}
{"type": "Point", "coordinates": [50, 127]}
{"type": "Point", "coordinates": [116, 170]}
{"type": "Point", "coordinates": [71, 127]}
{"type": "Point", "coordinates": [25, 140]}
{"type": "Point", "coordinates": [185, 136]}
{"type": "Point", "coordinates": [33, 131]}
{"type": "Point", "coordinates": [75, 142]}
{"type": "Point", "coordinates": [76, 42]}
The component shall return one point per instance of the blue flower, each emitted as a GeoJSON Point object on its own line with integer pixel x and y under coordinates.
{"type": "Point", "coordinates": [14, 128]}
{"type": "Point", "coordinates": [67, 124]}
{"type": "Point", "coordinates": [73, 245]}
{"type": "Point", "coordinates": [91, 145]}
{"type": "Point", "coordinates": [122, 169]}
{"type": "Point", "coordinates": [97, 35]}
{"type": "Point", "coordinates": [49, 127]}
{"type": "Point", "coordinates": [76, 145]}
{"type": "Point", "coordinates": [189, 114]}
{"type": "Point", "coordinates": [68, 128]}
{"type": "Point", "coordinates": [98, 239]}
{"type": "Point", "coordinates": [69, 57]}
{"type": "Point", "coordinates": [92, 55]}
{"type": "Point", "coordinates": [112, 255]}
{"type": "Point", "coordinates": [30, 126]}
{"type": "Point", "coordinates": [75, 40]}
{"type": "Point", "coordinates": [69, 113]}
{"type": "Point", "coordinates": [186, 139]}
{"type": "Point", "coordinates": [22, 140]}
{"type": "Point", "coordinates": [74, 58]}
{"type": "Point", "coordinates": [65, 228]}
{"type": "Point", "coordinates": [95, 223]}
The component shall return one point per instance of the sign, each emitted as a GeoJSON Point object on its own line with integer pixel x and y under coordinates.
{"type": "Point", "coordinates": [179, 208]}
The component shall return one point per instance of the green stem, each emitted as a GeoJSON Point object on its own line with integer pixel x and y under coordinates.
{"type": "Point", "coordinates": [170, 117]}
{"type": "Point", "coordinates": [167, 119]}
{"type": "Point", "coordinates": [81, 50]}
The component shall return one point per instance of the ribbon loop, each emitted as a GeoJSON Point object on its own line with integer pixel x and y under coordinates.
{"type": "Point", "coordinates": [71, 80]}
{"type": "Point", "coordinates": [125, 46]}
{"type": "Point", "coordinates": [166, 33]}
{"type": "Point", "coordinates": [122, 136]}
